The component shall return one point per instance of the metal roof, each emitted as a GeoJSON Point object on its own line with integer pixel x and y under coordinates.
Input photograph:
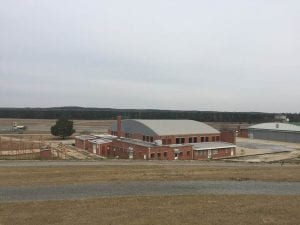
{"type": "Point", "coordinates": [100, 141]}
{"type": "Point", "coordinates": [85, 137]}
{"type": "Point", "coordinates": [212, 145]}
{"type": "Point", "coordinates": [276, 127]}
{"type": "Point", "coordinates": [165, 127]}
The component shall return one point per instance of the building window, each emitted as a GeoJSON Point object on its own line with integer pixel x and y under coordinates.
{"type": "Point", "coordinates": [127, 135]}
{"type": "Point", "coordinates": [163, 141]}
{"type": "Point", "coordinates": [213, 138]}
{"type": "Point", "coordinates": [159, 155]}
{"type": "Point", "coordinates": [151, 139]}
{"type": "Point", "coordinates": [190, 140]}
{"type": "Point", "coordinates": [206, 139]}
{"type": "Point", "coordinates": [165, 154]}
{"type": "Point", "coordinates": [152, 156]}
{"type": "Point", "coordinates": [202, 139]}
{"type": "Point", "coordinates": [180, 140]}
{"type": "Point", "coordinates": [218, 138]}
{"type": "Point", "coordinates": [215, 152]}
{"type": "Point", "coordinates": [195, 140]}
{"type": "Point", "coordinates": [188, 153]}
{"type": "Point", "coordinates": [144, 138]}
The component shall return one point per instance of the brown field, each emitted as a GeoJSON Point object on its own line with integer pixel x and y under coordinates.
{"type": "Point", "coordinates": [168, 210]}
{"type": "Point", "coordinates": [42, 126]}
{"type": "Point", "coordinates": [18, 144]}
{"type": "Point", "coordinates": [10, 176]}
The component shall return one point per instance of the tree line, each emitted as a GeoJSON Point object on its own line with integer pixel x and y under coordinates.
{"type": "Point", "coordinates": [80, 113]}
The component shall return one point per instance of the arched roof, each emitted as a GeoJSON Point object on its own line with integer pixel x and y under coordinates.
{"type": "Point", "coordinates": [165, 127]}
{"type": "Point", "coordinates": [276, 126]}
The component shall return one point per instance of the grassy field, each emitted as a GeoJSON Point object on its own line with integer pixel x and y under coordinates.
{"type": "Point", "coordinates": [175, 210]}
{"type": "Point", "coordinates": [10, 176]}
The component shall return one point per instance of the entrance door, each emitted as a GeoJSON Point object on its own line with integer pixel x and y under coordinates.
{"type": "Point", "coordinates": [209, 154]}
{"type": "Point", "coordinates": [94, 149]}
{"type": "Point", "coordinates": [176, 156]}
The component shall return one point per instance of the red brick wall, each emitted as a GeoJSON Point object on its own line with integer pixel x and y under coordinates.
{"type": "Point", "coordinates": [45, 154]}
{"type": "Point", "coordinates": [120, 149]}
{"type": "Point", "coordinates": [222, 153]}
{"type": "Point", "coordinates": [101, 149]}
{"type": "Point", "coordinates": [218, 153]}
{"type": "Point", "coordinates": [200, 155]}
{"type": "Point", "coordinates": [186, 152]}
{"type": "Point", "coordinates": [79, 143]}
{"type": "Point", "coordinates": [243, 133]}
{"type": "Point", "coordinates": [82, 144]}
{"type": "Point", "coordinates": [172, 138]}
{"type": "Point", "coordinates": [228, 136]}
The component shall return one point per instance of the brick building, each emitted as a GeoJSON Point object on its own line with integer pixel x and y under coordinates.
{"type": "Point", "coordinates": [162, 140]}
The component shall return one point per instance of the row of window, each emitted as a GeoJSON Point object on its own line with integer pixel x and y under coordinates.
{"type": "Point", "coordinates": [181, 140]}
{"type": "Point", "coordinates": [158, 155]}
{"type": "Point", "coordinates": [214, 152]}
{"type": "Point", "coordinates": [165, 154]}
{"type": "Point", "coordinates": [119, 149]}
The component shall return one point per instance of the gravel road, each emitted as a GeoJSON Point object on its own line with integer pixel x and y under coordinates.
{"type": "Point", "coordinates": [79, 191]}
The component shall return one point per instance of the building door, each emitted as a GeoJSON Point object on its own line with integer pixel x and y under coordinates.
{"type": "Point", "coordinates": [130, 149]}
{"type": "Point", "coordinates": [176, 156]}
{"type": "Point", "coordinates": [94, 149]}
{"type": "Point", "coordinates": [209, 154]}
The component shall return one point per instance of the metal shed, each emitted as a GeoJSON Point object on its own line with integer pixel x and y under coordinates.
{"type": "Point", "coordinates": [284, 132]}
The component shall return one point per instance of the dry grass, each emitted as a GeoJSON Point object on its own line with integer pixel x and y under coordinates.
{"type": "Point", "coordinates": [27, 156]}
{"type": "Point", "coordinates": [174, 210]}
{"type": "Point", "coordinates": [20, 144]}
{"type": "Point", "coordinates": [10, 176]}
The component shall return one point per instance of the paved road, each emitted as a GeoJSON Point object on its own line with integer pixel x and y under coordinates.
{"type": "Point", "coordinates": [79, 191]}
{"type": "Point", "coordinates": [29, 163]}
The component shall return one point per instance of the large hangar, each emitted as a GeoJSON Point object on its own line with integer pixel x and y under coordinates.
{"type": "Point", "coordinates": [284, 132]}
{"type": "Point", "coordinates": [167, 131]}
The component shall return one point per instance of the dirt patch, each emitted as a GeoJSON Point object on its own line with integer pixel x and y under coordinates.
{"type": "Point", "coordinates": [175, 210]}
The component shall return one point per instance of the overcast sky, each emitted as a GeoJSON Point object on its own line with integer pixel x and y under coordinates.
{"type": "Point", "coordinates": [233, 55]}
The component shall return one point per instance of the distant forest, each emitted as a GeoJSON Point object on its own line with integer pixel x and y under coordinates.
{"type": "Point", "coordinates": [80, 113]}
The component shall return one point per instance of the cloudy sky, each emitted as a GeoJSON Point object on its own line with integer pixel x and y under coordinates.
{"type": "Point", "coordinates": [233, 55]}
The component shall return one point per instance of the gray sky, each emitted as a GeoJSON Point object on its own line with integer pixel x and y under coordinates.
{"type": "Point", "coordinates": [232, 55]}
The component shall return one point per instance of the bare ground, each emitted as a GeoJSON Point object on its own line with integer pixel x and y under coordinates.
{"type": "Point", "coordinates": [175, 210]}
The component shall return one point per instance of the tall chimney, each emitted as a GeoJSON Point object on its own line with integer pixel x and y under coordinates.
{"type": "Point", "coordinates": [119, 126]}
